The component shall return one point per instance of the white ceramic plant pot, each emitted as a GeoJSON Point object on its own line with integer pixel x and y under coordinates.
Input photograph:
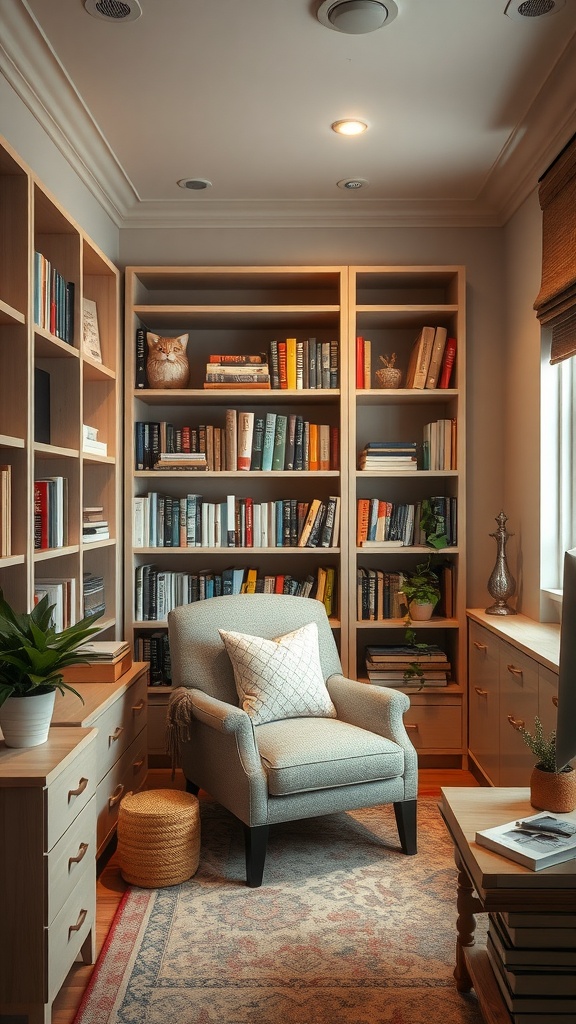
{"type": "Point", "coordinates": [420, 610]}
{"type": "Point", "coordinates": [25, 721]}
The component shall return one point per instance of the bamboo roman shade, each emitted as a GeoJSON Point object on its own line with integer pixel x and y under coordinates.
{"type": "Point", "coordinates": [555, 304]}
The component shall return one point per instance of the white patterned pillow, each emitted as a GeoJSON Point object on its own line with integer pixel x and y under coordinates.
{"type": "Point", "coordinates": [280, 678]}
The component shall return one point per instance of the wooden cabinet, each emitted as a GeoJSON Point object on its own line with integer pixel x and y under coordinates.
{"type": "Point", "coordinates": [512, 678]}
{"type": "Point", "coordinates": [119, 712]}
{"type": "Point", "coordinates": [242, 310]}
{"type": "Point", "coordinates": [49, 388]}
{"type": "Point", "coordinates": [47, 868]}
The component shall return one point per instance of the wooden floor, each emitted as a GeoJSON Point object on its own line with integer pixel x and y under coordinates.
{"type": "Point", "coordinates": [111, 886]}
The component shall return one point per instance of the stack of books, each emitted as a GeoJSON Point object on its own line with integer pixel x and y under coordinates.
{"type": "Point", "coordinates": [180, 460]}
{"type": "Point", "coordinates": [389, 456]}
{"type": "Point", "coordinates": [393, 665]}
{"type": "Point", "coordinates": [90, 443]}
{"type": "Point", "coordinates": [94, 601]}
{"type": "Point", "coordinates": [94, 526]}
{"type": "Point", "coordinates": [106, 661]}
{"type": "Point", "coordinates": [237, 371]}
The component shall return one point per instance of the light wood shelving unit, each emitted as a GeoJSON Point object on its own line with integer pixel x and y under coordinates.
{"type": "Point", "coordinates": [241, 309]}
{"type": "Point", "coordinates": [82, 390]}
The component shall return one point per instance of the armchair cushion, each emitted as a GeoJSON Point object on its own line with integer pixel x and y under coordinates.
{"type": "Point", "coordinates": [316, 754]}
{"type": "Point", "coordinates": [279, 678]}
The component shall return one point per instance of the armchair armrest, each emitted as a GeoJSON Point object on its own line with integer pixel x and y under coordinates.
{"type": "Point", "coordinates": [377, 708]}
{"type": "Point", "coordinates": [187, 705]}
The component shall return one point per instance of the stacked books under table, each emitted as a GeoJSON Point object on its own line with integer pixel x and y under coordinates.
{"type": "Point", "coordinates": [394, 665]}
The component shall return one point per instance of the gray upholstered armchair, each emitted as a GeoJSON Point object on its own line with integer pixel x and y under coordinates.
{"type": "Point", "coordinates": [357, 755]}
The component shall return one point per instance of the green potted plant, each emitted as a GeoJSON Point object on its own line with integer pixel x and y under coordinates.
{"type": "Point", "coordinates": [551, 788]}
{"type": "Point", "coordinates": [421, 590]}
{"type": "Point", "coordinates": [32, 656]}
{"type": "Point", "coordinates": [433, 525]}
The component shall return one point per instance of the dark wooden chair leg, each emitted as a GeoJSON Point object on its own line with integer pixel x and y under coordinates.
{"type": "Point", "coordinates": [405, 812]}
{"type": "Point", "coordinates": [256, 839]}
{"type": "Point", "coordinates": [191, 787]}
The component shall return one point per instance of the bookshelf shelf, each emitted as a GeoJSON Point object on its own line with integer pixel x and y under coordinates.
{"type": "Point", "coordinates": [48, 385]}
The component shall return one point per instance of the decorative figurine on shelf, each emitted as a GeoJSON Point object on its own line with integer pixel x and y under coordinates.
{"type": "Point", "coordinates": [389, 376]}
{"type": "Point", "coordinates": [501, 584]}
{"type": "Point", "coordinates": [167, 365]}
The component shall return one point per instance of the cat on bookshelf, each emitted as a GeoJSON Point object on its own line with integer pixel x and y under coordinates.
{"type": "Point", "coordinates": [167, 364]}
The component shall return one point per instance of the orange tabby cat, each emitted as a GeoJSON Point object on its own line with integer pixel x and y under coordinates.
{"type": "Point", "coordinates": [167, 365]}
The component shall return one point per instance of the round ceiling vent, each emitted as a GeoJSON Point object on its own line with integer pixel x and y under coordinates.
{"type": "Point", "coordinates": [352, 184]}
{"type": "Point", "coordinates": [529, 9]}
{"type": "Point", "coordinates": [114, 10]}
{"type": "Point", "coordinates": [195, 184]}
{"type": "Point", "coordinates": [356, 16]}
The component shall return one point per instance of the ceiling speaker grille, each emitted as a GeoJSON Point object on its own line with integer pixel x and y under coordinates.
{"type": "Point", "coordinates": [527, 9]}
{"type": "Point", "coordinates": [114, 10]}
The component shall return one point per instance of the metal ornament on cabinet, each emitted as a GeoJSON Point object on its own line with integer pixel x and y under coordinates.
{"type": "Point", "coordinates": [501, 584]}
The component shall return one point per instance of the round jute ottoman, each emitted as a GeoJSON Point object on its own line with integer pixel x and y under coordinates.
{"type": "Point", "coordinates": [158, 837]}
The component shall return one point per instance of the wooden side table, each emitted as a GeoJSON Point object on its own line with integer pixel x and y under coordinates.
{"type": "Point", "coordinates": [490, 883]}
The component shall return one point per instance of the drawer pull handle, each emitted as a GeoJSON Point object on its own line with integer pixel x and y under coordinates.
{"type": "Point", "coordinates": [515, 671]}
{"type": "Point", "coordinates": [479, 646]}
{"type": "Point", "coordinates": [76, 927]}
{"type": "Point", "coordinates": [79, 856]}
{"type": "Point", "coordinates": [516, 723]}
{"type": "Point", "coordinates": [480, 692]}
{"type": "Point", "coordinates": [116, 734]}
{"type": "Point", "coordinates": [555, 701]}
{"type": "Point", "coordinates": [116, 796]}
{"type": "Point", "coordinates": [138, 764]}
{"type": "Point", "coordinates": [411, 726]}
{"type": "Point", "coordinates": [80, 789]}
{"type": "Point", "coordinates": [139, 706]}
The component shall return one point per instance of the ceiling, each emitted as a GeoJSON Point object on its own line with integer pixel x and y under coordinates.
{"type": "Point", "coordinates": [465, 107]}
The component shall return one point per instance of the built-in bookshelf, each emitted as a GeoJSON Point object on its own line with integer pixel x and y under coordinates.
{"type": "Point", "coordinates": [50, 386]}
{"type": "Point", "coordinates": [229, 314]}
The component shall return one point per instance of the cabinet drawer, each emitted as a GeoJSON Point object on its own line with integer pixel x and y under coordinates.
{"type": "Point", "coordinates": [68, 932]}
{"type": "Point", "coordinates": [518, 706]}
{"type": "Point", "coordinates": [70, 794]}
{"type": "Point", "coordinates": [71, 859]}
{"type": "Point", "coordinates": [430, 726]}
{"type": "Point", "coordinates": [127, 776]}
{"type": "Point", "coordinates": [119, 725]}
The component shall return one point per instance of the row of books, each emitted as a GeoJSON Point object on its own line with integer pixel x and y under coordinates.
{"type": "Point", "coordinates": [162, 520]}
{"type": "Point", "coordinates": [5, 511]}
{"type": "Point", "coordinates": [382, 524]}
{"type": "Point", "coordinates": [439, 445]}
{"type": "Point", "coordinates": [432, 359]}
{"type": "Point", "coordinates": [155, 649]}
{"type": "Point", "coordinates": [379, 594]}
{"type": "Point", "coordinates": [53, 300]}
{"type": "Point", "coordinates": [430, 363]}
{"type": "Point", "coordinates": [61, 594]}
{"type": "Point", "coordinates": [158, 591]}
{"type": "Point", "coordinates": [406, 665]}
{"type": "Point", "coordinates": [50, 513]}
{"type": "Point", "coordinates": [247, 441]}
{"type": "Point", "coordinates": [389, 456]}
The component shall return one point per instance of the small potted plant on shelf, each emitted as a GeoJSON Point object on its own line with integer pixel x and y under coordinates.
{"type": "Point", "coordinates": [421, 590]}
{"type": "Point", "coordinates": [32, 656]}
{"type": "Point", "coordinates": [551, 788]}
{"type": "Point", "coordinates": [433, 524]}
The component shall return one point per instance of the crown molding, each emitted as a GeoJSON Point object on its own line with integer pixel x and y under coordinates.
{"type": "Point", "coordinates": [33, 70]}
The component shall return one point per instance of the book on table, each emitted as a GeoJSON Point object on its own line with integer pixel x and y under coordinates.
{"type": "Point", "coordinates": [537, 841]}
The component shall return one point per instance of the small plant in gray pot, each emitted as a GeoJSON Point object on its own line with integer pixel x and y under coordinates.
{"type": "Point", "coordinates": [32, 656]}
{"type": "Point", "coordinates": [551, 788]}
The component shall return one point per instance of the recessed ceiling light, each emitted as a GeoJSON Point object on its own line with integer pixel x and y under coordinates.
{"type": "Point", "coordinates": [531, 9]}
{"type": "Point", "coordinates": [352, 184]}
{"type": "Point", "coordinates": [114, 10]}
{"type": "Point", "coordinates": [349, 127]}
{"type": "Point", "coordinates": [195, 184]}
{"type": "Point", "coordinates": [356, 17]}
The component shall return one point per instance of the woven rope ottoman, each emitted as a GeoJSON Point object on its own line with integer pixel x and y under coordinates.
{"type": "Point", "coordinates": [158, 837]}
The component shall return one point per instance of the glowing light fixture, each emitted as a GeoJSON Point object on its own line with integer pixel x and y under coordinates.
{"type": "Point", "coordinates": [350, 127]}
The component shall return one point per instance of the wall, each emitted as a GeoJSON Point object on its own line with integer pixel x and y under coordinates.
{"type": "Point", "coordinates": [479, 249]}
{"type": "Point", "coordinates": [523, 260]}
{"type": "Point", "coordinates": [21, 129]}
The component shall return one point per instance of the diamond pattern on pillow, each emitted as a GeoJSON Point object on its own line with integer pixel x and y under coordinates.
{"type": "Point", "coordinates": [280, 678]}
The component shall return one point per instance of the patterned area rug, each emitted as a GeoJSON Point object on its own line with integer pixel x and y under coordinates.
{"type": "Point", "coordinates": [345, 930]}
